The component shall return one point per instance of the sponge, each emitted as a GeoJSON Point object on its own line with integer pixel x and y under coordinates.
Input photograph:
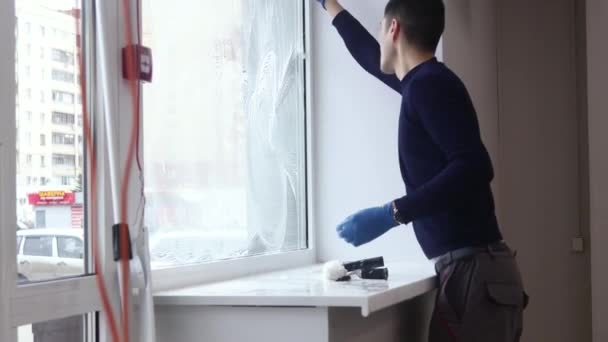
{"type": "Point", "coordinates": [334, 270]}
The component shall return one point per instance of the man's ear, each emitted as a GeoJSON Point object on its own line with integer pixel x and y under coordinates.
{"type": "Point", "coordinates": [395, 29]}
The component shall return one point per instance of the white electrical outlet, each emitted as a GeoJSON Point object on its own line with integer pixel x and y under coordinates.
{"type": "Point", "coordinates": [578, 244]}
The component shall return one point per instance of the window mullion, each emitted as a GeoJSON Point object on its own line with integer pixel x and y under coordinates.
{"type": "Point", "coordinates": [7, 168]}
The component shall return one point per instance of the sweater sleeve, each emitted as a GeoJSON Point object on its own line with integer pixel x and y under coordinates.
{"type": "Point", "coordinates": [363, 47]}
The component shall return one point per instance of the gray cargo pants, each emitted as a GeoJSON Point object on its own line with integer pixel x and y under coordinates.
{"type": "Point", "coordinates": [480, 298]}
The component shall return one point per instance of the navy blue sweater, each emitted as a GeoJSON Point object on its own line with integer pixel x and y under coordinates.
{"type": "Point", "coordinates": [445, 166]}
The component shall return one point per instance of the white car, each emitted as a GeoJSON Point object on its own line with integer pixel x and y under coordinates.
{"type": "Point", "coordinates": [44, 254]}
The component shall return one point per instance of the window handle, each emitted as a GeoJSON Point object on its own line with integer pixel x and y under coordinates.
{"type": "Point", "coordinates": [61, 264]}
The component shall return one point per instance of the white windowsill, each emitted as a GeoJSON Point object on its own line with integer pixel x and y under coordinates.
{"type": "Point", "coordinates": [304, 287]}
{"type": "Point", "coordinates": [191, 275]}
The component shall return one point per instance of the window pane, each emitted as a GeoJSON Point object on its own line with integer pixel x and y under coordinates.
{"type": "Point", "coordinates": [70, 247]}
{"type": "Point", "coordinates": [63, 118]}
{"type": "Point", "coordinates": [71, 329]}
{"type": "Point", "coordinates": [38, 246]}
{"type": "Point", "coordinates": [63, 56]}
{"type": "Point", "coordinates": [63, 97]}
{"type": "Point", "coordinates": [50, 200]}
{"type": "Point", "coordinates": [224, 135]}
{"type": "Point", "coordinates": [63, 76]}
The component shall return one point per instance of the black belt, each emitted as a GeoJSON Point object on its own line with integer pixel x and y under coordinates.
{"type": "Point", "coordinates": [443, 261]}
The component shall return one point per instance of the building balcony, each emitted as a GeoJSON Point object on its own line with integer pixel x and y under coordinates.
{"type": "Point", "coordinates": [65, 149]}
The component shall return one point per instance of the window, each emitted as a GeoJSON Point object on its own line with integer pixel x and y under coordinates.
{"type": "Point", "coordinates": [63, 139]}
{"type": "Point", "coordinates": [41, 201]}
{"type": "Point", "coordinates": [62, 76]}
{"type": "Point", "coordinates": [228, 181]}
{"type": "Point", "coordinates": [70, 247]}
{"type": "Point", "coordinates": [28, 159]}
{"type": "Point", "coordinates": [70, 329]}
{"type": "Point", "coordinates": [63, 97]}
{"type": "Point", "coordinates": [66, 180]}
{"type": "Point", "coordinates": [54, 269]}
{"type": "Point", "coordinates": [62, 56]}
{"type": "Point", "coordinates": [38, 245]}
{"type": "Point", "coordinates": [63, 118]}
{"type": "Point", "coordinates": [63, 159]}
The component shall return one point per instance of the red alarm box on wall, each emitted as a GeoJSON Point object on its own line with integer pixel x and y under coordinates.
{"type": "Point", "coordinates": [143, 65]}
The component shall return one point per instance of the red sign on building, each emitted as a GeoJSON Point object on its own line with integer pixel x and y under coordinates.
{"type": "Point", "coordinates": [51, 198]}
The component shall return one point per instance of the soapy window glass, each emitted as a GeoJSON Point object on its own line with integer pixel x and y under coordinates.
{"type": "Point", "coordinates": [224, 130]}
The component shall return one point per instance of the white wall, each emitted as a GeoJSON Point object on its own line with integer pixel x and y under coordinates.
{"type": "Point", "coordinates": [597, 55]}
{"type": "Point", "coordinates": [58, 216]}
{"type": "Point", "coordinates": [354, 141]}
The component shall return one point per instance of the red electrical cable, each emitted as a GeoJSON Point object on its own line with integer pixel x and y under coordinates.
{"type": "Point", "coordinates": [131, 67]}
{"type": "Point", "coordinates": [131, 63]}
{"type": "Point", "coordinates": [137, 157]}
{"type": "Point", "coordinates": [99, 277]}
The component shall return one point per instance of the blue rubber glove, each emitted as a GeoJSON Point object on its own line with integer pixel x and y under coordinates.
{"type": "Point", "coordinates": [322, 2]}
{"type": "Point", "coordinates": [367, 225]}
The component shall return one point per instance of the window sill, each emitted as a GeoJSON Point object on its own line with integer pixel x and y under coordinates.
{"type": "Point", "coordinates": [191, 275]}
{"type": "Point", "coordinates": [304, 287]}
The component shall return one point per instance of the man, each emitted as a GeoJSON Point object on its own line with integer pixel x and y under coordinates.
{"type": "Point", "coordinates": [447, 173]}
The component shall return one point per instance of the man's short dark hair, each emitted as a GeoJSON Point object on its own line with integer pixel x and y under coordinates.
{"type": "Point", "coordinates": [422, 21]}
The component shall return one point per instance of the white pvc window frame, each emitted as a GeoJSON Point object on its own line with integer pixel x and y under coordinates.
{"type": "Point", "coordinates": [189, 275]}
{"type": "Point", "coordinates": [62, 298]}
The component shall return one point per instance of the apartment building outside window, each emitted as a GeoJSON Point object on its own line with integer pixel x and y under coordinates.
{"type": "Point", "coordinates": [60, 118]}
{"type": "Point", "coordinates": [64, 159]}
{"type": "Point", "coordinates": [62, 76]}
{"type": "Point", "coordinates": [62, 56]}
{"type": "Point", "coordinates": [63, 139]}
{"type": "Point", "coordinates": [63, 97]}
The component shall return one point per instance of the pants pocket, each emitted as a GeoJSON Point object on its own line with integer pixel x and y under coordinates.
{"type": "Point", "coordinates": [504, 294]}
{"type": "Point", "coordinates": [501, 318]}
